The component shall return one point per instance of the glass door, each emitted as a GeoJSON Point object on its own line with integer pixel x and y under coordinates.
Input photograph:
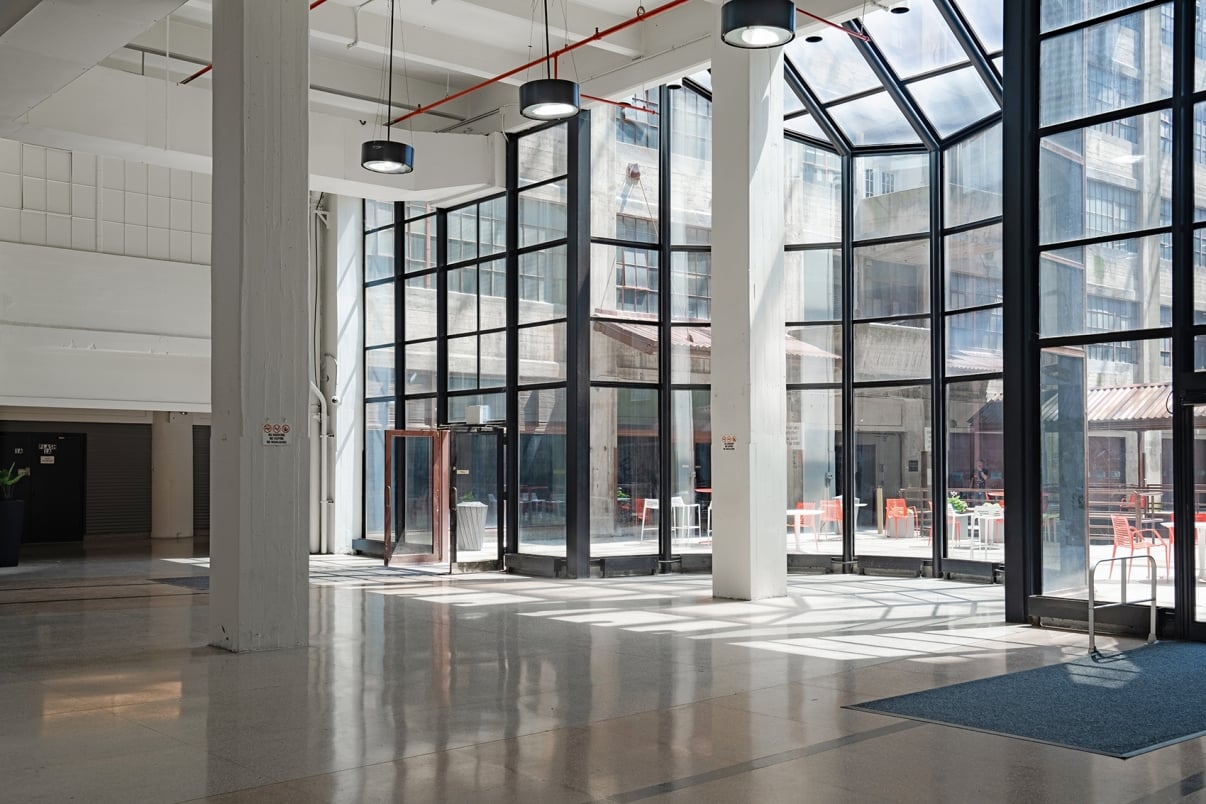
{"type": "Point", "coordinates": [476, 486]}
{"type": "Point", "coordinates": [416, 509]}
{"type": "Point", "coordinates": [1196, 575]}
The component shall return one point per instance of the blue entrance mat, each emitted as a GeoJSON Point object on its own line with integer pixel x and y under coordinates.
{"type": "Point", "coordinates": [1120, 705]}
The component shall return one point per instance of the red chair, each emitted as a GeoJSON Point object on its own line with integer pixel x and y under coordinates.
{"type": "Point", "coordinates": [1135, 540]}
{"type": "Point", "coordinates": [831, 513]}
{"type": "Point", "coordinates": [896, 509]}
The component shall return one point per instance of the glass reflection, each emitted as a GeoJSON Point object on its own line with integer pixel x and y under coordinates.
{"type": "Point", "coordinates": [814, 444]}
{"type": "Point", "coordinates": [986, 19]}
{"type": "Point", "coordinates": [1099, 181]}
{"type": "Point", "coordinates": [814, 194]}
{"type": "Point", "coordinates": [833, 67]}
{"type": "Point", "coordinates": [541, 454]}
{"type": "Point", "coordinates": [895, 350]}
{"type": "Point", "coordinates": [690, 482]}
{"type": "Point", "coordinates": [891, 195]}
{"type": "Point", "coordinates": [624, 171]}
{"type": "Point", "coordinates": [873, 120]}
{"type": "Point", "coordinates": [891, 470]}
{"type": "Point", "coordinates": [975, 471]}
{"type": "Point", "coordinates": [624, 471]}
{"type": "Point", "coordinates": [892, 279]}
{"type": "Point", "coordinates": [917, 42]}
{"type": "Point", "coordinates": [1102, 460]}
{"type": "Point", "coordinates": [972, 178]}
{"type": "Point", "coordinates": [973, 268]}
{"type": "Point", "coordinates": [953, 101]}
{"type": "Point", "coordinates": [1104, 68]}
{"type": "Point", "coordinates": [812, 284]}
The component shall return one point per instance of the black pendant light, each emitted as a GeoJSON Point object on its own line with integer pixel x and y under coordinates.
{"type": "Point", "coordinates": [549, 98]}
{"type": "Point", "coordinates": [758, 23]}
{"type": "Point", "coordinates": [387, 156]}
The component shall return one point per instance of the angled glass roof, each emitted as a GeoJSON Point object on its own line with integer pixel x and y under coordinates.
{"type": "Point", "coordinates": [832, 67]}
{"type": "Point", "coordinates": [936, 90]}
{"type": "Point", "coordinates": [873, 120]}
{"type": "Point", "coordinates": [805, 125]}
{"type": "Point", "coordinates": [917, 42]}
{"type": "Point", "coordinates": [986, 18]}
{"type": "Point", "coordinates": [953, 101]}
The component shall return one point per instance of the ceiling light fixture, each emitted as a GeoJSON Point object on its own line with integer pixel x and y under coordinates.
{"type": "Point", "coordinates": [758, 23]}
{"type": "Point", "coordinates": [387, 156]}
{"type": "Point", "coordinates": [549, 98]}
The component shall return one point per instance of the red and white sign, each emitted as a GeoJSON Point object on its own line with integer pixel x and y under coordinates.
{"type": "Point", "coordinates": [277, 434]}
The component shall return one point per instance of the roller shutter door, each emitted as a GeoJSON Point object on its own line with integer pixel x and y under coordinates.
{"type": "Point", "coordinates": [200, 479]}
{"type": "Point", "coordinates": [119, 478]}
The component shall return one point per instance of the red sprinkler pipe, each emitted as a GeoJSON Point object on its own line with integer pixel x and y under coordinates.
{"type": "Point", "coordinates": [209, 67]}
{"type": "Point", "coordinates": [834, 25]}
{"type": "Point", "coordinates": [622, 104]}
{"type": "Point", "coordinates": [595, 37]}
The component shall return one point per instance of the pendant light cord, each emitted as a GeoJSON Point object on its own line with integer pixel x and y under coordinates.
{"type": "Point", "coordinates": [548, 50]}
{"type": "Point", "coordinates": [389, 92]}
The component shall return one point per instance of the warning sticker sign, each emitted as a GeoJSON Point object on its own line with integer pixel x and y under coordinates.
{"type": "Point", "coordinates": [276, 434]}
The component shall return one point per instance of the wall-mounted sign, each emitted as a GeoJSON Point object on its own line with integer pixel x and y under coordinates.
{"type": "Point", "coordinates": [913, 465]}
{"type": "Point", "coordinates": [47, 459]}
{"type": "Point", "coordinates": [728, 443]}
{"type": "Point", "coordinates": [276, 434]}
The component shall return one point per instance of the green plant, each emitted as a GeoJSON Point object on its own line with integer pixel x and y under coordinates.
{"type": "Point", "coordinates": [468, 496]}
{"type": "Point", "coordinates": [621, 494]}
{"type": "Point", "coordinates": [957, 503]}
{"type": "Point", "coordinates": [8, 479]}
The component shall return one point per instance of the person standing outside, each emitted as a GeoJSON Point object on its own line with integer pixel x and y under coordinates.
{"type": "Point", "coordinates": [979, 481]}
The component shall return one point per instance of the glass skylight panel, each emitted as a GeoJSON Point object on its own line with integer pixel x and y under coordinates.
{"type": "Point", "coordinates": [791, 103]}
{"type": "Point", "coordinates": [832, 67]}
{"type": "Point", "coordinates": [873, 120]}
{"type": "Point", "coordinates": [987, 21]}
{"type": "Point", "coordinates": [703, 78]}
{"type": "Point", "coordinates": [1061, 13]}
{"type": "Point", "coordinates": [917, 42]}
{"type": "Point", "coordinates": [953, 101]}
{"type": "Point", "coordinates": [805, 125]}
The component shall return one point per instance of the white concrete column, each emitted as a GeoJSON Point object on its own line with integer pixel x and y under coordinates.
{"type": "Point", "coordinates": [259, 510]}
{"type": "Point", "coordinates": [749, 420]}
{"type": "Point", "coordinates": [346, 236]}
{"type": "Point", "coordinates": [171, 475]}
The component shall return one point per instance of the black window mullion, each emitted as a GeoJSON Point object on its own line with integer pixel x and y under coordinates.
{"type": "Point", "coordinates": [895, 89]}
{"type": "Point", "coordinates": [665, 257]}
{"type": "Point", "coordinates": [971, 46]}
{"type": "Point", "coordinates": [797, 84]}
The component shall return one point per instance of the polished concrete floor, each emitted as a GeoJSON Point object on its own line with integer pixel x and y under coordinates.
{"type": "Point", "coordinates": [501, 688]}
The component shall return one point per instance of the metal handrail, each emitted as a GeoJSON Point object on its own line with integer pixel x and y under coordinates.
{"type": "Point", "coordinates": [1151, 571]}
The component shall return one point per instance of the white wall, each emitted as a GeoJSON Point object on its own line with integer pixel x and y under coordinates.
{"type": "Point", "coordinates": [79, 329]}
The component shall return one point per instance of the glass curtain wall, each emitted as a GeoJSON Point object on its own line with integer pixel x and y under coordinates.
{"type": "Point", "coordinates": [893, 276]}
{"type": "Point", "coordinates": [1109, 263]}
{"type": "Point", "coordinates": [650, 330]}
{"type": "Point", "coordinates": [625, 291]}
{"type": "Point", "coordinates": [689, 311]}
{"type": "Point", "coordinates": [380, 355]}
{"type": "Point", "coordinates": [541, 348]}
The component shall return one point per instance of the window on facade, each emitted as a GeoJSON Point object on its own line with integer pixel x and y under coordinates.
{"type": "Point", "coordinates": [693, 126]}
{"type": "Point", "coordinates": [638, 128]}
{"type": "Point", "coordinates": [1111, 209]}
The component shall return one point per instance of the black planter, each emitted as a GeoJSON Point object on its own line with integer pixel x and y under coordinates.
{"type": "Point", "coordinates": [11, 517]}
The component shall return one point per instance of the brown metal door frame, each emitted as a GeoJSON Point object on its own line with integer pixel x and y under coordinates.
{"type": "Point", "coordinates": [439, 502]}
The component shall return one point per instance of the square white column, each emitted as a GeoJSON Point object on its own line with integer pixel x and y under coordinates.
{"type": "Point", "coordinates": [260, 481]}
{"type": "Point", "coordinates": [749, 398]}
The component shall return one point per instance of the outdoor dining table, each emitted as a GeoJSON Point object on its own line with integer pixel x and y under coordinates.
{"type": "Point", "coordinates": [799, 513]}
{"type": "Point", "coordinates": [1199, 538]}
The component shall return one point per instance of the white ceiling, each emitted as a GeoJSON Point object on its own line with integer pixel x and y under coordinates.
{"type": "Point", "coordinates": [103, 76]}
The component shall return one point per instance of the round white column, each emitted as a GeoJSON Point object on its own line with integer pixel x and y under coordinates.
{"type": "Point", "coordinates": [171, 476]}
